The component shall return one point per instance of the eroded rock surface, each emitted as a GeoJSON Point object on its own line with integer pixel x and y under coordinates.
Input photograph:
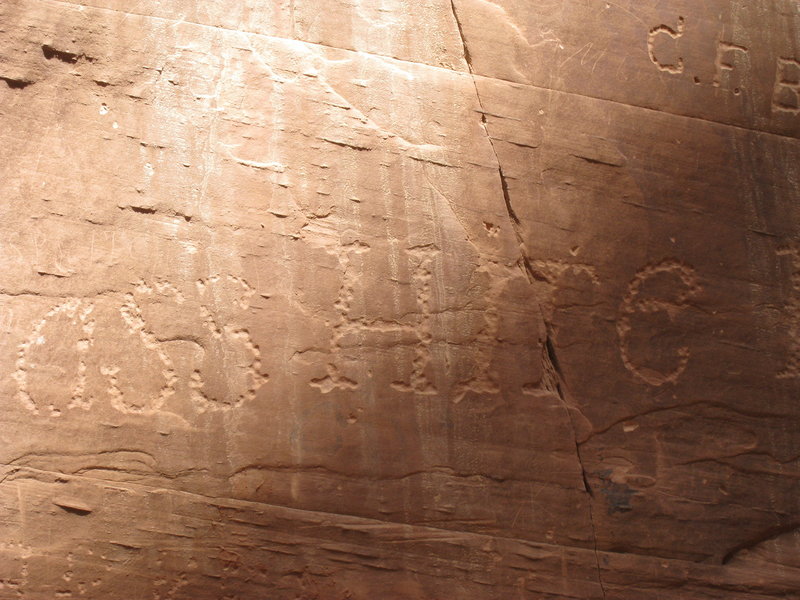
{"type": "Point", "coordinates": [437, 299]}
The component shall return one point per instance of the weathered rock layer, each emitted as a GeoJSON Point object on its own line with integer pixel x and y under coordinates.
{"type": "Point", "coordinates": [400, 299]}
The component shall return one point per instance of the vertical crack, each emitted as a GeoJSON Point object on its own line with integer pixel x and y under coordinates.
{"type": "Point", "coordinates": [467, 56]}
{"type": "Point", "coordinates": [553, 380]}
{"type": "Point", "coordinates": [524, 260]}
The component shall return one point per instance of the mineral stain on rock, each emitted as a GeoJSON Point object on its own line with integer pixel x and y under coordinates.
{"type": "Point", "coordinates": [617, 495]}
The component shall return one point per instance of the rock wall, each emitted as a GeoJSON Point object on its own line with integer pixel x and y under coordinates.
{"type": "Point", "coordinates": [400, 299]}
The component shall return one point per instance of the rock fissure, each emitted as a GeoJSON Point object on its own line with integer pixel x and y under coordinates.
{"type": "Point", "coordinates": [516, 225]}
{"type": "Point", "coordinates": [550, 362]}
{"type": "Point", "coordinates": [553, 379]}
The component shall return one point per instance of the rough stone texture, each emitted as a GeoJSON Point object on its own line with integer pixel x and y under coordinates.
{"type": "Point", "coordinates": [400, 299]}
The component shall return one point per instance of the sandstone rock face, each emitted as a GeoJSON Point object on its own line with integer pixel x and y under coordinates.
{"type": "Point", "coordinates": [400, 299]}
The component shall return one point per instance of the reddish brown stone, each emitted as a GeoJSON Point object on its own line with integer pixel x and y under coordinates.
{"type": "Point", "coordinates": [399, 299]}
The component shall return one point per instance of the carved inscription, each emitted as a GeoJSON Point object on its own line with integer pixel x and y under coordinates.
{"type": "Point", "coordinates": [786, 97]}
{"type": "Point", "coordinates": [119, 348]}
{"type": "Point", "coordinates": [554, 271]}
{"type": "Point", "coordinates": [344, 322]}
{"type": "Point", "coordinates": [348, 326]}
{"type": "Point", "coordinates": [130, 400]}
{"type": "Point", "coordinates": [731, 65]}
{"type": "Point", "coordinates": [728, 56]}
{"type": "Point", "coordinates": [423, 258]}
{"type": "Point", "coordinates": [792, 368]}
{"type": "Point", "coordinates": [658, 32]}
{"type": "Point", "coordinates": [35, 354]}
{"type": "Point", "coordinates": [483, 381]}
{"type": "Point", "coordinates": [659, 290]}
{"type": "Point", "coordinates": [101, 346]}
{"type": "Point", "coordinates": [227, 346]}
